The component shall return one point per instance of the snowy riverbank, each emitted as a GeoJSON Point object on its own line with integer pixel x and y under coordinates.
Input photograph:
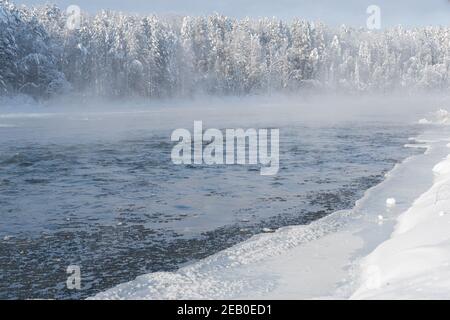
{"type": "Point", "coordinates": [371, 251]}
{"type": "Point", "coordinates": [415, 262]}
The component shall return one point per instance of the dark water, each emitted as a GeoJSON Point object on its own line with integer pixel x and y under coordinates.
{"type": "Point", "coordinates": [110, 201]}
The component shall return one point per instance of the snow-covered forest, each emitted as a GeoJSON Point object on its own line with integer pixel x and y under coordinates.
{"type": "Point", "coordinates": [121, 55]}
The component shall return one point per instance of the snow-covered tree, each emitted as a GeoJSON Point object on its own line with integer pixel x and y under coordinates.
{"type": "Point", "coordinates": [120, 55]}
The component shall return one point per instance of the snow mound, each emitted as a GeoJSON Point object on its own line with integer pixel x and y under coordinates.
{"type": "Point", "coordinates": [441, 116]}
{"type": "Point", "coordinates": [391, 202]}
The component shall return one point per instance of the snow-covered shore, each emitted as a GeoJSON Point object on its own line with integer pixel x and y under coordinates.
{"type": "Point", "coordinates": [415, 262]}
{"type": "Point", "coordinates": [372, 251]}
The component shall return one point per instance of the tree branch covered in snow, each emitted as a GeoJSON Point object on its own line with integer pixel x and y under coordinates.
{"type": "Point", "coordinates": [119, 55]}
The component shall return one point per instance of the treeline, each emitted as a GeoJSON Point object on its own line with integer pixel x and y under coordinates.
{"type": "Point", "coordinates": [119, 55]}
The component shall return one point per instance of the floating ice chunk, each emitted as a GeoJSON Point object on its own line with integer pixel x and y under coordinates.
{"type": "Point", "coordinates": [268, 230]}
{"type": "Point", "coordinates": [424, 121]}
{"type": "Point", "coordinates": [380, 218]}
{"type": "Point", "coordinates": [391, 202]}
{"type": "Point", "coordinates": [7, 238]}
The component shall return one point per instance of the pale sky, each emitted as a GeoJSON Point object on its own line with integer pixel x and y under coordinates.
{"type": "Point", "coordinates": [350, 12]}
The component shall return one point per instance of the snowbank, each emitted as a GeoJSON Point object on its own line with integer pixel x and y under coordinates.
{"type": "Point", "coordinates": [415, 262]}
{"type": "Point", "coordinates": [441, 116]}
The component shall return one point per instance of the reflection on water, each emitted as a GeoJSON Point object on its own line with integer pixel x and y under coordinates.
{"type": "Point", "coordinates": [115, 205]}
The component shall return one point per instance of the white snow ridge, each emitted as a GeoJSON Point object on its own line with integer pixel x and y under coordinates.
{"type": "Point", "coordinates": [441, 116]}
